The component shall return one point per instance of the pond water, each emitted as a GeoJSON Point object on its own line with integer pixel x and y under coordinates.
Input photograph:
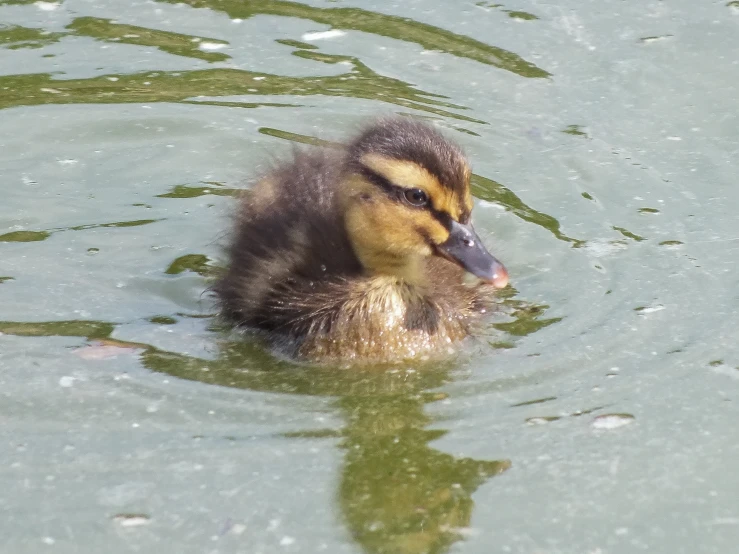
{"type": "Point", "coordinates": [598, 416]}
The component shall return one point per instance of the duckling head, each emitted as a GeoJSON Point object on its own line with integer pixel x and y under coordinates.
{"type": "Point", "coordinates": [406, 198]}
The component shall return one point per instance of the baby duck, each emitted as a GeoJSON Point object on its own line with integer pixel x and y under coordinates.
{"type": "Point", "coordinates": [360, 255]}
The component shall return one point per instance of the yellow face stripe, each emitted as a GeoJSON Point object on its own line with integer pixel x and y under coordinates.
{"type": "Point", "coordinates": [468, 195]}
{"type": "Point", "coordinates": [406, 174]}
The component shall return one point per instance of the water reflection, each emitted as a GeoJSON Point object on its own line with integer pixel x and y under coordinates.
{"type": "Point", "coordinates": [400, 28]}
{"type": "Point", "coordinates": [185, 86]}
{"type": "Point", "coordinates": [396, 493]}
{"type": "Point", "coordinates": [172, 43]}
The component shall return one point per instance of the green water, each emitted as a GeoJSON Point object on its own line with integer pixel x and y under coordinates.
{"type": "Point", "coordinates": [604, 139]}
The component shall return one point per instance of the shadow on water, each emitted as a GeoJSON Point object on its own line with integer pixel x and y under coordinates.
{"type": "Point", "coordinates": [396, 492]}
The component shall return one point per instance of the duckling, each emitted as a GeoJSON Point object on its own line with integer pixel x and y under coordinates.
{"type": "Point", "coordinates": [360, 255]}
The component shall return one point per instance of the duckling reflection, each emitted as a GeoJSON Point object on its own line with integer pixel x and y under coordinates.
{"type": "Point", "coordinates": [360, 255]}
{"type": "Point", "coordinates": [398, 494]}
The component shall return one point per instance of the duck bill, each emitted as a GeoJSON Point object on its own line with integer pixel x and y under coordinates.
{"type": "Point", "coordinates": [465, 248]}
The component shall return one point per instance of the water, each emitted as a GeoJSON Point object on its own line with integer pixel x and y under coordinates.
{"type": "Point", "coordinates": [599, 414]}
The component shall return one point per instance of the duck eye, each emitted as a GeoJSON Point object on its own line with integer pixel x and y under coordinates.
{"type": "Point", "coordinates": [415, 197]}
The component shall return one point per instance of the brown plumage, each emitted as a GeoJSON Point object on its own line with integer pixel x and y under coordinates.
{"type": "Point", "coordinates": [344, 256]}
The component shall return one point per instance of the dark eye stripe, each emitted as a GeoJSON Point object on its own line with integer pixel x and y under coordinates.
{"type": "Point", "coordinates": [395, 191]}
{"type": "Point", "coordinates": [378, 180]}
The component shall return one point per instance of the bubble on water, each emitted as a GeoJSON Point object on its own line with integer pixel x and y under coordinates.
{"type": "Point", "coordinates": [47, 6]}
{"type": "Point", "coordinates": [131, 520]}
{"type": "Point", "coordinates": [612, 421]}
{"type": "Point", "coordinates": [323, 35]}
{"type": "Point", "coordinates": [541, 420]}
{"type": "Point", "coordinates": [212, 46]}
{"type": "Point", "coordinates": [643, 310]}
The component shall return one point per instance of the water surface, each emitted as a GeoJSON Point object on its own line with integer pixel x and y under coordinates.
{"type": "Point", "coordinates": [598, 415]}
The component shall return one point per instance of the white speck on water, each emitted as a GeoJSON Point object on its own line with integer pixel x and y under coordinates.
{"type": "Point", "coordinates": [375, 526]}
{"type": "Point", "coordinates": [600, 248]}
{"type": "Point", "coordinates": [323, 35]}
{"type": "Point", "coordinates": [674, 138]}
{"type": "Point", "coordinates": [538, 420]}
{"type": "Point", "coordinates": [67, 381]}
{"type": "Point", "coordinates": [131, 520]}
{"type": "Point", "coordinates": [612, 421]}
{"type": "Point", "coordinates": [650, 309]}
{"type": "Point", "coordinates": [622, 531]}
{"type": "Point", "coordinates": [48, 540]}
{"type": "Point", "coordinates": [237, 529]}
{"type": "Point", "coordinates": [47, 6]}
{"type": "Point", "coordinates": [68, 161]}
{"type": "Point", "coordinates": [212, 46]}
{"type": "Point", "coordinates": [287, 541]}
{"type": "Point", "coordinates": [236, 20]}
{"type": "Point", "coordinates": [728, 371]}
